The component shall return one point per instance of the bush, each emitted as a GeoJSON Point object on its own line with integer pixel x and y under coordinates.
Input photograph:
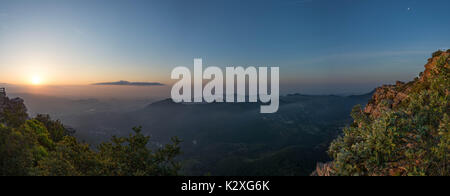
{"type": "Point", "coordinates": [437, 53]}
{"type": "Point", "coordinates": [411, 139]}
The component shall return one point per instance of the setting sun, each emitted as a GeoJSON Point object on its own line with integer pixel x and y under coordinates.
{"type": "Point", "coordinates": [36, 80]}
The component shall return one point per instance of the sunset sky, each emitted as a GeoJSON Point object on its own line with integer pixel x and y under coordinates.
{"type": "Point", "coordinates": [318, 44]}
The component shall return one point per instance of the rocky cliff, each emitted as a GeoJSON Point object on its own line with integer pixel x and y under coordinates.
{"type": "Point", "coordinates": [394, 98]}
{"type": "Point", "coordinates": [390, 96]}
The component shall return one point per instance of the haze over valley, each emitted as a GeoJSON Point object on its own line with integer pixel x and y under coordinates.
{"type": "Point", "coordinates": [218, 138]}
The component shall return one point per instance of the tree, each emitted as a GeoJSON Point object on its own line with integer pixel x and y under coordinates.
{"type": "Point", "coordinates": [13, 113]}
{"type": "Point", "coordinates": [122, 156]}
{"type": "Point", "coordinates": [55, 128]}
{"type": "Point", "coordinates": [131, 156]}
{"type": "Point", "coordinates": [44, 147]}
{"type": "Point", "coordinates": [21, 148]}
{"type": "Point", "coordinates": [70, 158]}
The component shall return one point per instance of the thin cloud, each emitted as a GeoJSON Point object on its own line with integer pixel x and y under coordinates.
{"type": "Point", "coordinates": [127, 83]}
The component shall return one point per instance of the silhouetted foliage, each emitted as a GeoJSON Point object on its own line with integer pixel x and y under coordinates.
{"type": "Point", "coordinates": [437, 53]}
{"type": "Point", "coordinates": [41, 146]}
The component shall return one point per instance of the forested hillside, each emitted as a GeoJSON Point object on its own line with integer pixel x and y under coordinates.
{"type": "Point", "coordinates": [41, 146]}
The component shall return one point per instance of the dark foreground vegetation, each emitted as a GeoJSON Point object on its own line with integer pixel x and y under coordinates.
{"type": "Point", "coordinates": [44, 147]}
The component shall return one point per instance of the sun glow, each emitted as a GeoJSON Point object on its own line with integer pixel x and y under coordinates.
{"type": "Point", "coordinates": [36, 80]}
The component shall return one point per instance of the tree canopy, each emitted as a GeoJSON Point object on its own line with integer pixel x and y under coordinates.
{"type": "Point", "coordinates": [42, 146]}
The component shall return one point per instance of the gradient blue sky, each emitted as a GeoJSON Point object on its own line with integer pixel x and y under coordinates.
{"type": "Point", "coordinates": [320, 45]}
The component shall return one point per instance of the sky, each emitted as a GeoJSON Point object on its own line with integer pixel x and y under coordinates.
{"type": "Point", "coordinates": [321, 46]}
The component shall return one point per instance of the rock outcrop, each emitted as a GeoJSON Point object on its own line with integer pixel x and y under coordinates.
{"type": "Point", "coordinates": [323, 169]}
{"type": "Point", "coordinates": [389, 97]}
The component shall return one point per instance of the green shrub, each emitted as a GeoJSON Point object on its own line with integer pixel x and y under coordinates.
{"type": "Point", "coordinates": [412, 139]}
